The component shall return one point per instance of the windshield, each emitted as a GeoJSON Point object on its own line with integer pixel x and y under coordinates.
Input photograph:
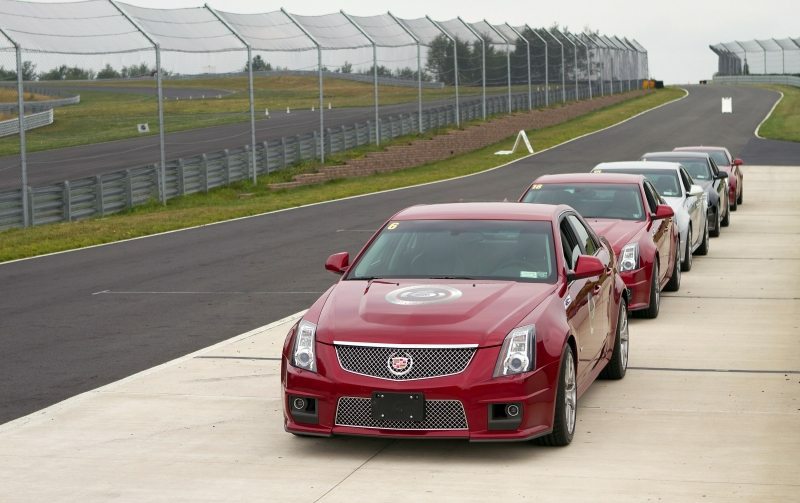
{"type": "Point", "coordinates": [665, 181]}
{"type": "Point", "coordinates": [592, 200]}
{"type": "Point", "coordinates": [460, 249]}
{"type": "Point", "coordinates": [696, 166]}
{"type": "Point", "coordinates": [719, 156]}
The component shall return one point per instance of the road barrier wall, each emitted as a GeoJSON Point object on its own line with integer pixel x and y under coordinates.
{"type": "Point", "coordinates": [787, 80]}
{"type": "Point", "coordinates": [11, 126]}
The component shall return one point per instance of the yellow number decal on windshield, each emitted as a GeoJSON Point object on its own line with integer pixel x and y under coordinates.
{"type": "Point", "coordinates": [393, 226]}
{"type": "Point", "coordinates": [536, 186]}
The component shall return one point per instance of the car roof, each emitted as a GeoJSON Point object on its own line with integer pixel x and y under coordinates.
{"type": "Point", "coordinates": [482, 211]}
{"type": "Point", "coordinates": [618, 178]}
{"type": "Point", "coordinates": [698, 147]}
{"type": "Point", "coordinates": [645, 165]}
{"type": "Point", "coordinates": [697, 155]}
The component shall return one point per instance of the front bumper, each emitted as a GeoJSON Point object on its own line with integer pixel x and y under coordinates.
{"type": "Point", "coordinates": [474, 389]}
{"type": "Point", "coordinates": [638, 283]}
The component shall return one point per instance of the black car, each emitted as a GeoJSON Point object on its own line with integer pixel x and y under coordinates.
{"type": "Point", "coordinates": [704, 172]}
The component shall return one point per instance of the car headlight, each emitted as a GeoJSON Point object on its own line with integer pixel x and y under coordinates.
{"type": "Point", "coordinates": [629, 258]}
{"type": "Point", "coordinates": [303, 355]}
{"type": "Point", "coordinates": [517, 354]}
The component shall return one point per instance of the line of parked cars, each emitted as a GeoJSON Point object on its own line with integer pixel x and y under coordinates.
{"type": "Point", "coordinates": [488, 321]}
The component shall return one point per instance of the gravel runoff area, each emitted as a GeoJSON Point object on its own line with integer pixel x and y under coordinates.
{"type": "Point", "coordinates": [709, 410]}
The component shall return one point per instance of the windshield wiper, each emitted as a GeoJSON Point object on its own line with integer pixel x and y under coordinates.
{"type": "Point", "coordinates": [450, 277]}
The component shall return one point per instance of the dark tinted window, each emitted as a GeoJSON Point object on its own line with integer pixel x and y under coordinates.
{"type": "Point", "coordinates": [569, 244]}
{"type": "Point", "coordinates": [720, 157]}
{"type": "Point", "coordinates": [696, 166]}
{"type": "Point", "coordinates": [687, 180]}
{"type": "Point", "coordinates": [652, 196]}
{"type": "Point", "coordinates": [584, 236]}
{"type": "Point", "coordinates": [474, 249]}
{"type": "Point", "coordinates": [591, 200]}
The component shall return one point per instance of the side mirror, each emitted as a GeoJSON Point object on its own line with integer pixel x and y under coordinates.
{"type": "Point", "coordinates": [338, 262]}
{"type": "Point", "coordinates": [695, 191]}
{"type": "Point", "coordinates": [722, 174]}
{"type": "Point", "coordinates": [738, 162]}
{"type": "Point", "coordinates": [585, 267]}
{"type": "Point", "coordinates": [663, 211]}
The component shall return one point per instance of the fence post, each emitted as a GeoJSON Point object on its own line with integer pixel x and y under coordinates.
{"type": "Point", "coordinates": [128, 189]}
{"type": "Point", "coordinates": [98, 183]}
{"type": "Point", "coordinates": [67, 202]}
{"type": "Point", "coordinates": [250, 164]}
{"type": "Point", "coordinates": [283, 146]}
{"type": "Point", "coordinates": [315, 146]}
{"type": "Point", "coordinates": [330, 140]}
{"type": "Point", "coordinates": [205, 173]}
{"type": "Point", "coordinates": [227, 167]}
{"type": "Point", "coordinates": [266, 157]}
{"type": "Point", "coordinates": [181, 177]}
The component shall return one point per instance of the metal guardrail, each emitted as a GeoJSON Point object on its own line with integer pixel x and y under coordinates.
{"type": "Point", "coordinates": [788, 80]}
{"type": "Point", "coordinates": [11, 126]}
{"type": "Point", "coordinates": [110, 193]}
{"type": "Point", "coordinates": [43, 105]}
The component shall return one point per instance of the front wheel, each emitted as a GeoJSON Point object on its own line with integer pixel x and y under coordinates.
{"type": "Point", "coordinates": [618, 363]}
{"type": "Point", "coordinates": [734, 205]}
{"type": "Point", "coordinates": [686, 264]}
{"type": "Point", "coordinates": [740, 199]}
{"type": "Point", "coordinates": [703, 248]}
{"type": "Point", "coordinates": [726, 220]}
{"type": "Point", "coordinates": [566, 406]}
{"type": "Point", "coordinates": [674, 283]}
{"type": "Point", "coordinates": [655, 293]}
{"type": "Point", "coordinates": [714, 232]}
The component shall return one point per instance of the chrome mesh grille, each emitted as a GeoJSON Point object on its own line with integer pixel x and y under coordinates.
{"type": "Point", "coordinates": [439, 415]}
{"type": "Point", "coordinates": [426, 362]}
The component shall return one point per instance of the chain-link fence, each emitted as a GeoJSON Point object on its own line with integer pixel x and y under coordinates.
{"type": "Point", "coordinates": [149, 104]}
{"type": "Point", "coordinates": [758, 57]}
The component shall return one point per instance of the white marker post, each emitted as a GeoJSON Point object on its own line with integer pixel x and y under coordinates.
{"type": "Point", "coordinates": [727, 105]}
{"type": "Point", "coordinates": [521, 137]}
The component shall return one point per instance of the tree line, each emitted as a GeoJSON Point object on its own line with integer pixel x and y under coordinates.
{"type": "Point", "coordinates": [64, 72]}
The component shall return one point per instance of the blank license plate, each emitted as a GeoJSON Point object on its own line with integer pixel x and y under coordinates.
{"type": "Point", "coordinates": [398, 406]}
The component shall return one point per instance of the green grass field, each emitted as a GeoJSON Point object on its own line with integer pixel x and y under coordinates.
{"type": "Point", "coordinates": [247, 199]}
{"type": "Point", "coordinates": [107, 116]}
{"type": "Point", "coordinates": [784, 123]}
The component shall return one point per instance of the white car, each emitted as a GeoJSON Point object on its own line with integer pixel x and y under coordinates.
{"type": "Point", "coordinates": [688, 201]}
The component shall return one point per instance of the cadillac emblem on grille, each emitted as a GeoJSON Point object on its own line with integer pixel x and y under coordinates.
{"type": "Point", "coordinates": [400, 364]}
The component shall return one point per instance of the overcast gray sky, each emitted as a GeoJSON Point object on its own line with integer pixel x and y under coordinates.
{"type": "Point", "coordinates": [676, 33]}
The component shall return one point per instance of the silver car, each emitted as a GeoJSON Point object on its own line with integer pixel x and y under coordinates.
{"type": "Point", "coordinates": [688, 201]}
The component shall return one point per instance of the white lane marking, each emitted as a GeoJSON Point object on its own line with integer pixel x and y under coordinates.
{"type": "Point", "coordinates": [767, 116]}
{"type": "Point", "coordinates": [129, 292]}
{"type": "Point", "coordinates": [358, 195]}
{"type": "Point", "coordinates": [45, 412]}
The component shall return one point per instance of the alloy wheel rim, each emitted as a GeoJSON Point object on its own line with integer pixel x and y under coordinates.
{"type": "Point", "coordinates": [570, 393]}
{"type": "Point", "coordinates": [624, 337]}
{"type": "Point", "coordinates": [655, 283]}
{"type": "Point", "coordinates": [689, 248]}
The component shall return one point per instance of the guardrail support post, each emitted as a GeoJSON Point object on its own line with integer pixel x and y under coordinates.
{"type": "Point", "coordinates": [128, 189]}
{"type": "Point", "coordinates": [285, 158]}
{"type": "Point", "coordinates": [266, 157]}
{"type": "Point", "coordinates": [181, 177]}
{"type": "Point", "coordinates": [67, 202]}
{"type": "Point", "coordinates": [98, 184]}
{"type": "Point", "coordinates": [28, 209]}
{"type": "Point", "coordinates": [204, 164]}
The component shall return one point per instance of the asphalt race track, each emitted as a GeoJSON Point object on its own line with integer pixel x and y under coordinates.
{"type": "Point", "coordinates": [53, 166]}
{"type": "Point", "coordinates": [74, 321]}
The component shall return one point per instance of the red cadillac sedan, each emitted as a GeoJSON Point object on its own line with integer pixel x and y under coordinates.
{"type": "Point", "coordinates": [480, 321]}
{"type": "Point", "coordinates": [628, 211]}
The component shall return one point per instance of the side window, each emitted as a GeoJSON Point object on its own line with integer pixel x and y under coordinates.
{"type": "Point", "coordinates": [686, 179]}
{"type": "Point", "coordinates": [714, 168]}
{"type": "Point", "coordinates": [650, 194]}
{"type": "Point", "coordinates": [584, 237]}
{"type": "Point", "coordinates": [569, 244]}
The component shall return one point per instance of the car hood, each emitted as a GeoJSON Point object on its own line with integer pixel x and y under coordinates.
{"type": "Point", "coordinates": [427, 311]}
{"type": "Point", "coordinates": [618, 232]}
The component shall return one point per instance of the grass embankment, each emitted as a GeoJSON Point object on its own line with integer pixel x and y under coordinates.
{"type": "Point", "coordinates": [784, 123]}
{"type": "Point", "coordinates": [106, 116]}
{"type": "Point", "coordinates": [246, 199]}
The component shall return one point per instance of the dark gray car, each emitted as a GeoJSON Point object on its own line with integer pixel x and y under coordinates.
{"type": "Point", "coordinates": [705, 173]}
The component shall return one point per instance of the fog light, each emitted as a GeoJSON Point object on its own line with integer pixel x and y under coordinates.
{"type": "Point", "coordinates": [512, 410]}
{"type": "Point", "coordinates": [299, 404]}
{"type": "Point", "coordinates": [303, 409]}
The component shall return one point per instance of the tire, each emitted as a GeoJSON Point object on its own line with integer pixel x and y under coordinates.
{"type": "Point", "coordinates": [655, 295]}
{"type": "Point", "coordinates": [703, 248]}
{"type": "Point", "coordinates": [566, 406]}
{"type": "Point", "coordinates": [618, 364]}
{"type": "Point", "coordinates": [674, 283]}
{"type": "Point", "coordinates": [740, 199]}
{"type": "Point", "coordinates": [734, 205]}
{"type": "Point", "coordinates": [726, 220]}
{"type": "Point", "coordinates": [686, 264]}
{"type": "Point", "coordinates": [714, 232]}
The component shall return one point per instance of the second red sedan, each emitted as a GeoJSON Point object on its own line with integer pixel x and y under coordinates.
{"type": "Point", "coordinates": [628, 211]}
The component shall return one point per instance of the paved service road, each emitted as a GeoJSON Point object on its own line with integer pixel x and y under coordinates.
{"type": "Point", "coordinates": [53, 166]}
{"type": "Point", "coordinates": [708, 410]}
{"type": "Point", "coordinates": [74, 321]}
